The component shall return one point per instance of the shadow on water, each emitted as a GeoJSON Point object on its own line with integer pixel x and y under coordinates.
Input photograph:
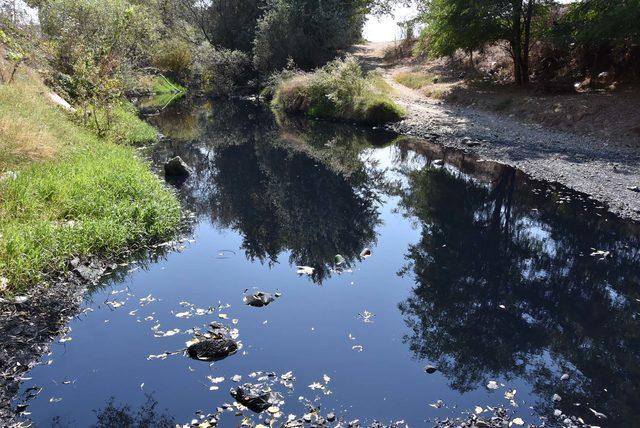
{"type": "Point", "coordinates": [510, 283]}
{"type": "Point", "coordinates": [477, 270]}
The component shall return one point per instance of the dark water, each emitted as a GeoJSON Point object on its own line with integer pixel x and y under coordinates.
{"type": "Point", "coordinates": [475, 270]}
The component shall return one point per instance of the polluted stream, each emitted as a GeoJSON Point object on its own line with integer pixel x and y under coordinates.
{"type": "Point", "coordinates": [339, 276]}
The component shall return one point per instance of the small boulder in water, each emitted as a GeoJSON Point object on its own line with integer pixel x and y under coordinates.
{"type": "Point", "coordinates": [430, 369]}
{"type": "Point", "coordinates": [214, 349]}
{"type": "Point", "coordinates": [254, 397]}
{"type": "Point", "coordinates": [258, 299]}
{"type": "Point", "coordinates": [176, 167]}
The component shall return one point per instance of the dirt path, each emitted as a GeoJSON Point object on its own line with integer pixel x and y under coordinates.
{"type": "Point", "coordinates": [603, 170]}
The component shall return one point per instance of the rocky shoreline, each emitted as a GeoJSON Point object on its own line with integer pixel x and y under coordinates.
{"type": "Point", "coordinates": [606, 171]}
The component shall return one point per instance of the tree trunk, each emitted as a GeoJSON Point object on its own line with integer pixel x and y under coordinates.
{"type": "Point", "coordinates": [527, 41]}
{"type": "Point", "coordinates": [516, 43]}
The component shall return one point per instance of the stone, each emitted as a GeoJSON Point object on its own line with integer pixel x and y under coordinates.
{"type": "Point", "coordinates": [176, 167]}
{"type": "Point", "coordinates": [212, 349]}
{"type": "Point", "coordinates": [258, 299]}
{"type": "Point", "coordinates": [253, 397]}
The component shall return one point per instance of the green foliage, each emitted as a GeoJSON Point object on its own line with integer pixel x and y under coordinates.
{"type": "Point", "coordinates": [222, 71]}
{"type": "Point", "coordinates": [98, 201]}
{"type": "Point", "coordinates": [14, 54]}
{"type": "Point", "coordinates": [308, 31]}
{"type": "Point", "coordinates": [124, 126]}
{"type": "Point", "coordinates": [92, 198]}
{"type": "Point", "coordinates": [459, 24]}
{"type": "Point", "coordinates": [174, 58]}
{"type": "Point", "coordinates": [232, 23]}
{"type": "Point", "coordinates": [339, 90]}
{"type": "Point", "coordinates": [605, 23]}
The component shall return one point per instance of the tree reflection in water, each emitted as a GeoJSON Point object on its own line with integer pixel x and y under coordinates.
{"type": "Point", "coordinates": [290, 186]}
{"type": "Point", "coordinates": [564, 311]}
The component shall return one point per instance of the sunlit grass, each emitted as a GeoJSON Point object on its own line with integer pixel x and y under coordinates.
{"type": "Point", "coordinates": [414, 80]}
{"type": "Point", "coordinates": [75, 194]}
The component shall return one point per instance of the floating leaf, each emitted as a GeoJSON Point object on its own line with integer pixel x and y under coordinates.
{"type": "Point", "coordinates": [492, 385]}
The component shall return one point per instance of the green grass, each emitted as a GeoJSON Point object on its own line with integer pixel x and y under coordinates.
{"type": "Point", "coordinates": [415, 80]}
{"type": "Point", "coordinates": [163, 85]}
{"type": "Point", "coordinates": [128, 128]}
{"type": "Point", "coordinates": [125, 127]}
{"type": "Point", "coordinates": [338, 91]}
{"type": "Point", "coordinates": [81, 196]}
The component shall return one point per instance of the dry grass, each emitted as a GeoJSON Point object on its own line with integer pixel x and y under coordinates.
{"type": "Point", "coordinates": [24, 136]}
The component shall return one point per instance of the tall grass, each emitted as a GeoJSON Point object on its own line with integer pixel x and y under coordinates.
{"type": "Point", "coordinates": [75, 194]}
{"type": "Point", "coordinates": [123, 125]}
{"type": "Point", "coordinates": [339, 90]}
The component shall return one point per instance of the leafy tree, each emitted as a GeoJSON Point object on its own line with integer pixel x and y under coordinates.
{"type": "Point", "coordinates": [602, 33]}
{"type": "Point", "coordinates": [470, 24]}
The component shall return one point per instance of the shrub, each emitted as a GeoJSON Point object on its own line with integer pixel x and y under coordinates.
{"type": "Point", "coordinates": [308, 31]}
{"type": "Point", "coordinates": [174, 58]}
{"type": "Point", "coordinates": [222, 71]}
{"type": "Point", "coordinates": [339, 90]}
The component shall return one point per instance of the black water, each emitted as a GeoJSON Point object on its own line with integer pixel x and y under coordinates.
{"type": "Point", "coordinates": [474, 269]}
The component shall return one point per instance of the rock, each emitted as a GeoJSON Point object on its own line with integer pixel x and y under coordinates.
{"type": "Point", "coordinates": [58, 100]}
{"type": "Point", "coordinates": [9, 175]}
{"type": "Point", "coordinates": [564, 377]}
{"type": "Point", "coordinates": [20, 299]}
{"type": "Point", "coordinates": [254, 397]}
{"type": "Point", "coordinates": [212, 349]}
{"type": "Point", "coordinates": [430, 369]}
{"type": "Point", "coordinates": [331, 417]}
{"type": "Point", "coordinates": [89, 272]}
{"type": "Point", "coordinates": [258, 299]}
{"type": "Point", "coordinates": [176, 167]}
{"type": "Point", "coordinates": [556, 398]}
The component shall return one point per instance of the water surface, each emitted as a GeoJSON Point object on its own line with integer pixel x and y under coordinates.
{"type": "Point", "coordinates": [475, 270]}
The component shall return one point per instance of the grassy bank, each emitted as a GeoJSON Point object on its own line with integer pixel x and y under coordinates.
{"type": "Point", "coordinates": [74, 194]}
{"type": "Point", "coordinates": [339, 91]}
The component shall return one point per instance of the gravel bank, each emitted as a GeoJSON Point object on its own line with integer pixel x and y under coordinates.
{"type": "Point", "coordinates": [603, 170]}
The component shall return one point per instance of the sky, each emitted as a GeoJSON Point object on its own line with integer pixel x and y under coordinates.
{"type": "Point", "coordinates": [385, 29]}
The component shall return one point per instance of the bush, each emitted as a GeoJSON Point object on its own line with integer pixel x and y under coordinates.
{"type": "Point", "coordinates": [339, 90]}
{"type": "Point", "coordinates": [307, 31]}
{"type": "Point", "coordinates": [222, 71]}
{"type": "Point", "coordinates": [174, 58]}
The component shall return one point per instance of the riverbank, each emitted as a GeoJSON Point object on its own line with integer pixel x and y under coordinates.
{"type": "Point", "coordinates": [66, 193]}
{"type": "Point", "coordinates": [605, 169]}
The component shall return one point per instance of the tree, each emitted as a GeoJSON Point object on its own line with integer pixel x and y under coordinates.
{"type": "Point", "coordinates": [308, 31]}
{"type": "Point", "coordinates": [471, 24]}
{"type": "Point", "coordinates": [602, 34]}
